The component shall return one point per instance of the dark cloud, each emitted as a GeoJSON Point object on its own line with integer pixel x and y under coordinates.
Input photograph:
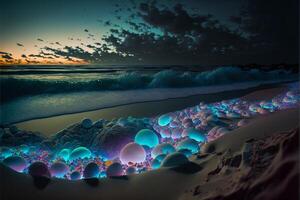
{"type": "Point", "coordinates": [7, 56]}
{"type": "Point", "coordinates": [172, 35]}
{"type": "Point", "coordinates": [20, 45]}
{"type": "Point", "coordinates": [85, 30]}
{"type": "Point", "coordinates": [24, 56]}
{"type": "Point", "coordinates": [58, 43]}
{"type": "Point", "coordinates": [91, 46]}
{"type": "Point", "coordinates": [41, 40]}
{"type": "Point", "coordinates": [107, 23]}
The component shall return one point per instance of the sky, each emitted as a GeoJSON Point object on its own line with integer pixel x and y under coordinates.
{"type": "Point", "coordinates": [139, 32]}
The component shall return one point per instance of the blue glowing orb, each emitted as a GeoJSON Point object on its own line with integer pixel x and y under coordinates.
{"type": "Point", "coordinates": [102, 174]}
{"type": "Point", "coordinates": [189, 144]}
{"type": "Point", "coordinates": [80, 153]}
{"type": "Point", "coordinates": [91, 170]}
{"type": "Point", "coordinates": [146, 137]}
{"type": "Point", "coordinates": [164, 148]}
{"type": "Point", "coordinates": [130, 170]}
{"type": "Point", "coordinates": [114, 169]}
{"type": "Point", "coordinates": [164, 120]}
{"type": "Point", "coordinates": [16, 163]}
{"type": "Point", "coordinates": [75, 175]}
{"type": "Point", "coordinates": [174, 159]}
{"type": "Point", "coordinates": [59, 169]}
{"type": "Point", "coordinates": [196, 135]}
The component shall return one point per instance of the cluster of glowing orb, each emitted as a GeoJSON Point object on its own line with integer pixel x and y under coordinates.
{"type": "Point", "coordinates": [168, 141]}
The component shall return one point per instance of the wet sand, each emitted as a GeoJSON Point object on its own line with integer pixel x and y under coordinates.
{"type": "Point", "coordinates": [51, 125]}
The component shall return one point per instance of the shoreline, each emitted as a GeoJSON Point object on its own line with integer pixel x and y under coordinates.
{"type": "Point", "coordinates": [50, 125]}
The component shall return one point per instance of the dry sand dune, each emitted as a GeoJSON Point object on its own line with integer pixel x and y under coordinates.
{"type": "Point", "coordinates": [258, 161]}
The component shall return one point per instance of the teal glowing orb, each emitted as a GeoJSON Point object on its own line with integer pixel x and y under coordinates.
{"type": "Point", "coordinates": [64, 154]}
{"type": "Point", "coordinates": [5, 152]}
{"type": "Point", "coordinates": [164, 148]}
{"type": "Point", "coordinates": [155, 164]}
{"type": "Point", "coordinates": [186, 152]}
{"type": "Point", "coordinates": [164, 120]}
{"type": "Point", "coordinates": [80, 153]}
{"type": "Point", "coordinates": [146, 137]}
{"type": "Point", "coordinates": [196, 135]}
{"type": "Point", "coordinates": [24, 148]}
{"type": "Point", "coordinates": [160, 157]}
{"type": "Point", "coordinates": [189, 144]}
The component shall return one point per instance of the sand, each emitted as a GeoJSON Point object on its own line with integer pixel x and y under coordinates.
{"type": "Point", "coordinates": [258, 161]}
{"type": "Point", "coordinates": [51, 125]}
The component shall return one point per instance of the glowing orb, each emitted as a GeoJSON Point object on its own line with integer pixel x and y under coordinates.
{"type": "Point", "coordinates": [75, 175]}
{"type": "Point", "coordinates": [5, 152]}
{"type": "Point", "coordinates": [164, 120]}
{"type": "Point", "coordinates": [59, 169]}
{"type": "Point", "coordinates": [91, 170]}
{"type": "Point", "coordinates": [196, 135]}
{"type": "Point", "coordinates": [176, 133]}
{"type": "Point", "coordinates": [133, 153]}
{"type": "Point", "coordinates": [174, 159]}
{"type": "Point", "coordinates": [39, 169]}
{"type": "Point", "coordinates": [155, 164]}
{"type": "Point", "coordinates": [16, 163]}
{"type": "Point", "coordinates": [164, 148]}
{"type": "Point", "coordinates": [87, 123]}
{"type": "Point", "coordinates": [80, 153]}
{"type": "Point", "coordinates": [64, 154]}
{"type": "Point", "coordinates": [186, 152]}
{"type": "Point", "coordinates": [114, 169]}
{"type": "Point", "coordinates": [130, 170]}
{"type": "Point", "coordinates": [146, 137]}
{"type": "Point", "coordinates": [165, 133]}
{"type": "Point", "coordinates": [189, 144]}
{"type": "Point", "coordinates": [24, 148]}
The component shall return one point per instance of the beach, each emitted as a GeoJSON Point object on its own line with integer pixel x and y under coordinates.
{"type": "Point", "coordinates": [205, 178]}
{"type": "Point", "coordinates": [52, 125]}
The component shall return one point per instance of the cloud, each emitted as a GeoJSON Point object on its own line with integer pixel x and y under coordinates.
{"type": "Point", "coordinates": [6, 56]}
{"type": "Point", "coordinates": [20, 45]}
{"type": "Point", "coordinates": [175, 35]}
{"type": "Point", "coordinates": [41, 40]}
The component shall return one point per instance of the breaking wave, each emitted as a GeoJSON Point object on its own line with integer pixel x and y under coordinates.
{"type": "Point", "coordinates": [17, 87]}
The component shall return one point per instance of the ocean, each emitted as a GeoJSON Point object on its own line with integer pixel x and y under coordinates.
{"type": "Point", "coordinates": [30, 92]}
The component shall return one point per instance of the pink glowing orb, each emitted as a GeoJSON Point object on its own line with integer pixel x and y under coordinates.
{"type": "Point", "coordinates": [133, 153]}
